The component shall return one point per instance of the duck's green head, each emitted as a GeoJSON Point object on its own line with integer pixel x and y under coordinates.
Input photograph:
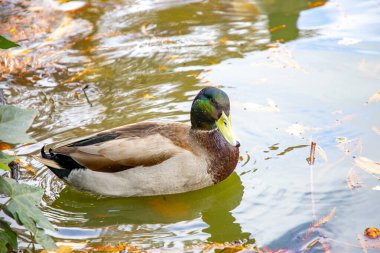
{"type": "Point", "coordinates": [211, 110]}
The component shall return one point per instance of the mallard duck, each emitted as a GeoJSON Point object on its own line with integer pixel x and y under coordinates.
{"type": "Point", "coordinates": [149, 158]}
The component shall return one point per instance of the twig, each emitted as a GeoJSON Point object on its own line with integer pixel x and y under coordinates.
{"type": "Point", "coordinates": [312, 153]}
{"type": "Point", "coordinates": [85, 94]}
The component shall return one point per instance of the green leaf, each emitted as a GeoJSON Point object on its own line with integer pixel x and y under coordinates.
{"type": "Point", "coordinates": [5, 159]}
{"type": "Point", "coordinates": [8, 238]}
{"type": "Point", "coordinates": [44, 240]}
{"type": "Point", "coordinates": [5, 44]}
{"type": "Point", "coordinates": [14, 122]}
{"type": "Point", "coordinates": [22, 206]}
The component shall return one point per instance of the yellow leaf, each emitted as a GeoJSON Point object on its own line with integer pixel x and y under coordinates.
{"type": "Point", "coordinates": [163, 68]}
{"type": "Point", "coordinates": [148, 96]}
{"type": "Point", "coordinates": [25, 166]}
{"type": "Point", "coordinates": [368, 165]}
{"type": "Point", "coordinates": [13, 30]}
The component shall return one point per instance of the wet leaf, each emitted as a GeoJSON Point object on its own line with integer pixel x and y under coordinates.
{"type": "Point", "coordinates": [5, 159]}
{"type": "Point", "coordinates": [163, 68]}
{"type": "Point", "coordinates": [223, 40]}
{"type": "Point", "coordinates": [353, 180]}
{"type": "Point", "coordinates": [148, 96]}
{"type": "Point", "coordinates": [363, 244]}
{"type": "Point", "coordinates": [22, 207]}
{"type": "Point", "coordinates": [316, 4]}
{"type": "Point", "coordinates": [14, 122]}
{"type": "Point", "coordinates": [375, 97]}
{"type": "Point", "coordinates": [8, 238]}
{"type": "Point", "coordinates": [5, 146]}
{"type": "Point", "coordinates": [368, 165]}
{"type": "Point", "coordinates": [277, 28]}
{"type": "Point", "coordinates": [5, 44]}
{"type": "Point", "coordinates": [372, 233]}
{"type": "Point", "coordinates": [320, 222]}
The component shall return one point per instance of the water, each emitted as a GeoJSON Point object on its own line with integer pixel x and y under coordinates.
{"type": "Point", "coordinates": [294, 71]}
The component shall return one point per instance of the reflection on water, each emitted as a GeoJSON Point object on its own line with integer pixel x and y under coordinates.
{"type": "Point", "coordinates": [213, 205]}
{"type": "Point", "coordinates": [305, 66]}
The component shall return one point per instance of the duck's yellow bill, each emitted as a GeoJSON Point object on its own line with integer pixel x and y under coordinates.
{"type": "Point", "coordinates": [224, 125]}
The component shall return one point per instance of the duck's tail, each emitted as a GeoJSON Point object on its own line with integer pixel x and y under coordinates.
{"type": "Point", "coordinates": [52, 161]}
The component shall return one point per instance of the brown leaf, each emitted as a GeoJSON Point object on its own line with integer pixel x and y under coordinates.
{"type": "Point", "coordinates": [353, 180]}
{"type": "Point", "coordinates": [362, 243]}
{"type": "Point", "coordinates": [368, 165]}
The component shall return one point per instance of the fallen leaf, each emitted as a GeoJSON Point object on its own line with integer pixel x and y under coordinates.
{"type": "Point", "coordinates": [368, 165]}
{"type": "Point", "coordinates": [372, 233]}
{"type": "Point", "coordinates": [4, 146]}
{"type": "Point", "coordinates": [60, 249]}
{"type": "Point", "coordinates": [26, 166]}
{"type": "Point", "coordinates": [223, 40]}
{"type": "Point", "coordinates": [362, 243]}
{"type": "Point", "coordinates": [375, 97]}
{"type": "Point", "coordinates": [148, 96]}
{"type": "Point", "coordinates": [320, 222]}
{"type": "Point", "coordinates": [316, 4]}
{"type": "Point", "coordinates": [277, 28]}
{"type": "Point", "coordinates": [353, 180]}
{"type": "Point", "coordinates": [163, 68]}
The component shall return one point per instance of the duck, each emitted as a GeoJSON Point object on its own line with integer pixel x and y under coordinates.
{"type": "Point", "coordinates": [152, 158]}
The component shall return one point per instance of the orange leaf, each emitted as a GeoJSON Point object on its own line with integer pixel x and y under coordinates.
{"type": "Point", "coordinates": [60, 249]}
{"type": "Point", "coordinates": [372, 233]}
{"type": "Point", "coordinates": [26, 166]}
{"type": "Point", "coordinates": [5, 146]}
{"type": "Point", "coordinates": [277, 28]}
{"type": "Point", "coordinates": [316, 4]}
{"type": "Point", "coordinates": [223, 40]}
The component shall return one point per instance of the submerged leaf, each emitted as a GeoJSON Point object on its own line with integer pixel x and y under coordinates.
{"type": "Point", "coordinates": [353, 180]}
{"type": "Point", "coordinates": [362, 243]}
{"type": "Point", "coordinates": [14, 122]}
{"type": "Point", "coordinates": [368, 165]}
{"type": "Point", "coordinates": [8, 238]}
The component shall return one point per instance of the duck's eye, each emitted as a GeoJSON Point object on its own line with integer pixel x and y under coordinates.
{"type": "Point", "coordinates": [225, 123]}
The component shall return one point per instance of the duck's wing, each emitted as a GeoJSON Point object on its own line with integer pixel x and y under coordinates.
{"type": "Point", "coordinates": [144, 144]}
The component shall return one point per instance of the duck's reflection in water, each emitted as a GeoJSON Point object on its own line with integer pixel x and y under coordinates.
{"type": "Point", "coordinates": [138, 216]}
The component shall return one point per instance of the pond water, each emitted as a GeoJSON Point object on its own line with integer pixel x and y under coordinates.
{"type": "Point", "coordinates": [295, 71]}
